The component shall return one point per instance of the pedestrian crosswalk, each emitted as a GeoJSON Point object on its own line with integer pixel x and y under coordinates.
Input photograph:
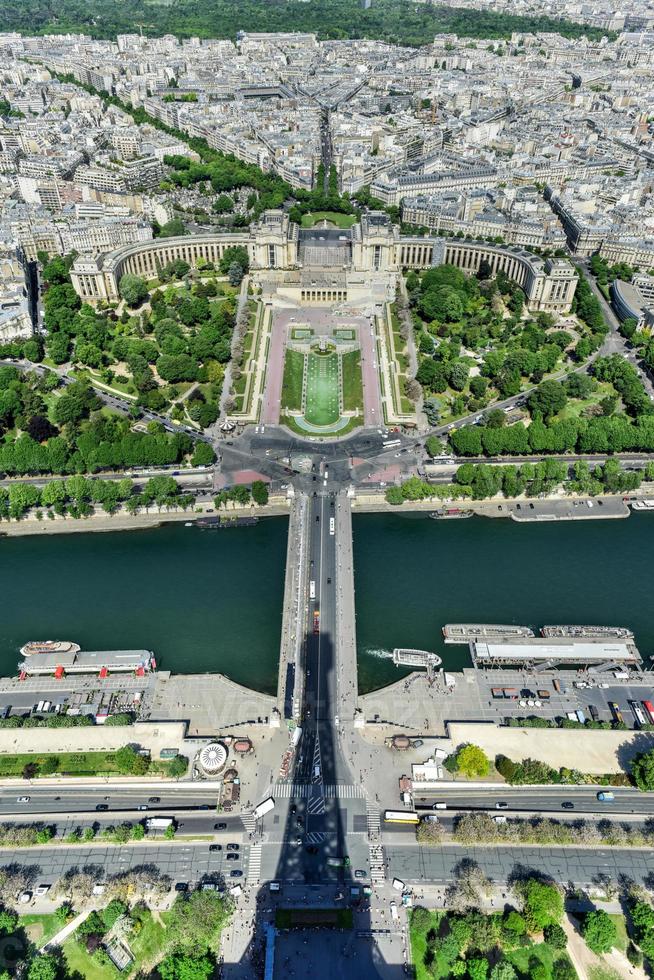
{"type": "Point", "coordinates": [375, 848]}
{"type": "Point", "coordinates": [254, 867]}
{"type": "Point", "coordinates": [302, 791]}
{"type": "Point", "coordinates": [315, 838]}
{"type": "Point", "coordinates": [249, 821]}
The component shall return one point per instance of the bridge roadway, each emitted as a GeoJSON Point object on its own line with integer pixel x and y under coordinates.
{"type": "Point", "coordinates": [322, 798]}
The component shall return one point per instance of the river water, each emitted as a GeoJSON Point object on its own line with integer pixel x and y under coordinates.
{"type": "Point", "coordinates": [413, 575]}
{"type": "Point", "coordinates": [212, 600]}
{"type": "Point", "coordinates": [201, 600]}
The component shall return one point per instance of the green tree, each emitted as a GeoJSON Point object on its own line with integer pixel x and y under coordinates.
{"type": "Point", "coordinates": [45, 966]}
{"type": "Point", "coordinates": [434, 446]}
{"type": "Point", "coordinates": [203, 455]}
{"type": "Point", "coordinates": [599, 931]}
{"type": "Point", "coordinates": [472, 761]}
{"type": "Point", "coordinates": [8, 920]}
{"type": "Point", "coordinates": [132, 289]}
{"type": "Point", "coordinates": [131, 762]}
{"type": "Point", "coordinates": [172, 229]}
{"type": "Point", "coordinates": [237, 254]}
{"type": "Point", "coordinates": [548, 399]}
{"type": "Point", "coordinates": [178, 966]}
{"type": "Point", "coordinates": [503, 971]}
{"type": "Point", "coordinates": [260, 492]}
{"type": "Point", "coordinates": [555, 936]}
{"type": "Point", "coordinates": [64, 913]}
{"type": "Point", "coordinates": [642, 769]}
{"type": "Point", "coordinates": [178, 766]}
{"type": "Point", "coordinates": [120, 718]}
{"type": "Point", "coordinates": [477, 968]}
{"type": "Point", "coordinates": [394, 495]}
{"type": "Point", "coordinates": [112, 912]}
{"type": "Point", "coordinates": [515, 923]}
{"type": "Point", "coordinates": [543, 904]}
{"type": "Point", "coordinates": [196, 920]}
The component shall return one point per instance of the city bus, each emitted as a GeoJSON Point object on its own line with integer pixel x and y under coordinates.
{"type": "Point", "coordinates": [639, 714]}
{"type": "Point", "coordinates": [649, 710]}
{"type": "Point", "coordinates": [332, 525]}
{"type": "Point", "coordinates": [401, 816]}
{"type": "Point", "coordinates": [390, 443]}
{"type": "Point", "coordinates": [615, 711]}
{"type": "Point", "coordinates": [312, 589]}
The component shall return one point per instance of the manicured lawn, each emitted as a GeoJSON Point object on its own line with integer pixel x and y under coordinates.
{"type": "Point", "coordinates": [344, 333]}
{"type": "Point", "coordinates": [418, 940]}
{"type": "Point", "coordinates": [148, 944]}
{"type": "Point", "coordinates": [521, 957]}
{"type": "Point", "coordinates": [292, 381]}
{"type": "Point", "coordinates": [322, 401]}
{"type": "Point", "coordinates": [82, 963]}
{"type": "Point", "coordinates": [352, 381]}
{"type": "Point", "coordinates": [40, 928]}
{"type": "Point", "coordinates": [340, 220]}
{"type": "Point", "coordinates": [576, 406]}
{"type": "Point", "coordinates": [621, 929]}
{"type": "Point", "coordinates": [77, 763]}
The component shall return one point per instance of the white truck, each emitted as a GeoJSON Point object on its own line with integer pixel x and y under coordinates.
{"type": "Point", "coordinates": [153, 824]}
{"type": "Point", "coordinates": [264, 807]}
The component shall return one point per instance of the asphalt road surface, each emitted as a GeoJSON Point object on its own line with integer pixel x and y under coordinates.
{"type": "Point", "coordinates": [414, 864]}
{"type": "Point", "coordinates": [543, 799]}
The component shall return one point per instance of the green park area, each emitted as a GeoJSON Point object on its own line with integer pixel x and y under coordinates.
{"type": "Point", "coordinates": [322, 405]}
{"type": "Point", "coordinates": [65, 763]}
{"type": "Point", "coordinates": [292, 381]}
{"type": "Point", "coordinates": [178, 943]}
{"type": "Point", "coordinates": [500, 946]}
{"type": "Point", "coordinates": [125, 760]}
{"type": "Point", "coordinates": [352, 381]}
{"type": "Point", "coordinates": [333, 217]}
{"type": "Point", "coordinates": [328, 389]}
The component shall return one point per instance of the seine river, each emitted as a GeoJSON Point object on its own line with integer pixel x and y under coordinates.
{"type": "Point", "coordinates": [201, 600]}
{"type": "Point", "coordinates": [413, 574]}
{"type": "Point", "coordinates": [212, 600]}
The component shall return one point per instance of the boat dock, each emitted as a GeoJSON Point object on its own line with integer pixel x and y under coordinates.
{"type": "Point", "coordinates": [470, 632]}
{"type": "Point", "coordinates": [101, 662]}
{"type": "Point", "coordinates": [554, 650]}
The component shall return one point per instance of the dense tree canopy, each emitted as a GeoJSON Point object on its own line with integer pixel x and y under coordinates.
{"type": "Point", "coordinates": [386, 20]}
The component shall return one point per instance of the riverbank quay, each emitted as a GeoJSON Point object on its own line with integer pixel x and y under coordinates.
{"type": "Point", "coordinates": [558, 507]}
{"type": "Point", "coordinates": [208, 704]}
{"type": "Point", "coordinates": [415, 707]}
{"type": "Point", "coordinates": [99, 520]}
